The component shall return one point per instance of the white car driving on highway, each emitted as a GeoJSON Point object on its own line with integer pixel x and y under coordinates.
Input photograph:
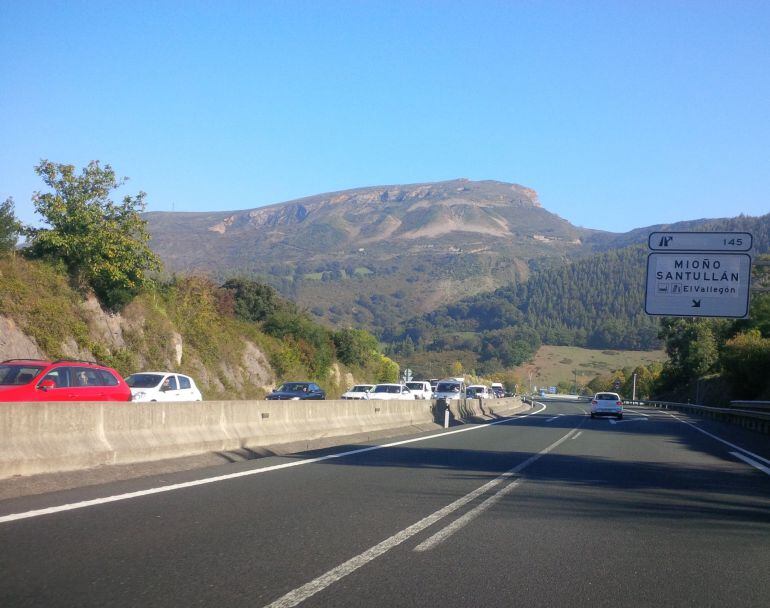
{"type": "Point", "coordinates": [607, 404]}
{"type": "Point", "coordinates": [359, 391]}
{"type": "Point", "coordinates": [162, 386]}
{"type": "Point", "coordinates": [395, 392]}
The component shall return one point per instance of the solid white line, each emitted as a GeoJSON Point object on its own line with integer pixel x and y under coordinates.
{"type": "Point", "coordinates": [578, 435]}
{"type": "Point", "coordinates": [300, 594]}
{"type": "Point", "coordinates": [554, 418]}
{"type": "Point", "coordinates": [732, 445]}
{"type": "Point", "coordinates": [446, 532]}
{"type": "Point", "coordinates": [752, 462]}
{"type": "Point", "coordinates": [200, 482]}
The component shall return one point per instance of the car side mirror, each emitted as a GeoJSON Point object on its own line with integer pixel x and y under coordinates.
{"type": "Point", "coordinates": [165, 388]}
{"type": "Point", "coordinates": [47, 384]}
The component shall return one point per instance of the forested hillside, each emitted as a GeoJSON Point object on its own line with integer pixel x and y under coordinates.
{"type": "Point", "coordinates": [597, 302]}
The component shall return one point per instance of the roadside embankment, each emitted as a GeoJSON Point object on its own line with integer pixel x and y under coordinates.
{"type": "Point", "coordinates": [51, 437]}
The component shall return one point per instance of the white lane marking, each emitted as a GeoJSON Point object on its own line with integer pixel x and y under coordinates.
{"type": "Point", "coordinates": [200, 482]}
{"type": "Point", "coordinates": [626, 420]}
{"type": "Point", "coordinates": [555, 417]}
{"type": "Point", "coordinates": [732, 445]}
{"type": "Point", "coordinates": [638, 413]}
{"type": "Point", "coordinates": [752, 462]}
{"type": "Point", "coordinates": [300, 594]}
{"type": "Point", "coordinates": [578, 435]}
{"type": "Point", "coordinates": [446, 532]}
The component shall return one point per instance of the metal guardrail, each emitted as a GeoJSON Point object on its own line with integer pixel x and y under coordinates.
{"type": "Point", "coordinates": [750, 419]}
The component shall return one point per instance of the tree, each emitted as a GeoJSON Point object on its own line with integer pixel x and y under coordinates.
{"type": "Point", "coordinates": [691, 345]}
{"type": "Point", "coordinates": [354, 346]}
{"type": "Point", "coordinates": [10, 227]}
{"type": "Point", "coordinates": [745, 360]}
{"type": "Point", "coordinates": [103, 244]}
{"type": "Point", "coordinates": [253, 301]}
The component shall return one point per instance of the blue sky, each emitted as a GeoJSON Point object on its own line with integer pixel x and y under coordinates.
{"type": "Point", "coordinates": [620, 114]}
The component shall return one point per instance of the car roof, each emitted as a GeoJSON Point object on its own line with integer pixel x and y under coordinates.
{"type": "Point", "coordinates": [46, 362]}
{"type": "Point", "coordinates": [160, 373]}
{"type": "Point", "coordinates": [26, 362]}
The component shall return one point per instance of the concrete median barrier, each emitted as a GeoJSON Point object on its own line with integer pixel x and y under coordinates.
{"type": "Point", "coordinates": [50, 437]}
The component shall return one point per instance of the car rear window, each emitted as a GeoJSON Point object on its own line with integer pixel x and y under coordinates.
{"type": "Point", "coordinates": [11, 375]}
{"type": "Point", "coordinates": [606, 397]}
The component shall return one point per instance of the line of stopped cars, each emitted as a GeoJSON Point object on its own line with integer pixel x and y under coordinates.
{"type": "Point", "coordinates": [71, 380]}
{"type": "Point", "coordinates": [447, 389]}
{"type": "Point", "coordinates": [26, 380]}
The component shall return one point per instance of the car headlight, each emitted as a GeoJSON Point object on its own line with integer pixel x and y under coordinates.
{"type": "Point", "coordinates": [138, 396]}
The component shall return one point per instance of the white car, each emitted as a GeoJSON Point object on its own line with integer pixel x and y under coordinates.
{"type": "Point", "coordinates": [451, 388]}
{"type": "Point", "coordinates": [162, 386]}
{"type": "Point", "coordinates": [478, 391]}
{"type": "Point", "coordinates": [395, 392]}
{"type": "Point", "coordinates": [359, 391]}
{"type": "Point", "coordinates": [420, 389]}
{"type": "Point", "coordinates": [607, 404]}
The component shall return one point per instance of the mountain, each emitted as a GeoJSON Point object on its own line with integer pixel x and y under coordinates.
{"type": "Point", "coordinates": [376, 256]}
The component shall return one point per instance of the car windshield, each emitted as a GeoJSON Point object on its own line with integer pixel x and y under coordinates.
{"type": "Point", "coordinates": [387, 388]}
{"type": "Point", "coordinates": [144, 380]}
{"type": "Point", "coordinates": [448, 387]}
{"type": "Point", "coordinates": [416, 386]}
{"type": "Point", "coordinates": [293, 387]}
{"type": "Point", "coordinates": [15, 375]}
{"type": "Point", "coordinates": [360, 388]}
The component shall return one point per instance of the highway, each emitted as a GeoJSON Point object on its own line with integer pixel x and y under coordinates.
{"type": "Point", "coordinates": [546, 508]}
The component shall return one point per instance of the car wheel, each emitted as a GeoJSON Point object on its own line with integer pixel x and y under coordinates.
{"type": "Point", "coordinates": [620, 416]}
{"type": "Point", "coordinates": [593, 416]}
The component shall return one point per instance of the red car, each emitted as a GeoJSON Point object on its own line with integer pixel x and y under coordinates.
{"type": "Point", "coordinates": [65, 380]}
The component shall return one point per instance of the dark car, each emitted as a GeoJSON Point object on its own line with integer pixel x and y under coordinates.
{"type": "Point", "coordinates": [297, 390]}
{"type": "Point", "coordinates": [64, 380]}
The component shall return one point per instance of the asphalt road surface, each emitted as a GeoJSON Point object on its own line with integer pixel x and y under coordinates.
{"type": "Point", "coordinates": [547, 508]}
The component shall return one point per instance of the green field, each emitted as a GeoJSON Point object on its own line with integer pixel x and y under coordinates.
{"type": "Point", "coordinates": [554, 364]}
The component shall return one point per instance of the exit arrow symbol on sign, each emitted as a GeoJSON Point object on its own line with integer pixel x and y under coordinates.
{"type": "Point", "coordinates": [696, 303]}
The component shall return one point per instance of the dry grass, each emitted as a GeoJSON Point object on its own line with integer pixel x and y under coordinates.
{"type": "Point", "coordinates": [554, 364]}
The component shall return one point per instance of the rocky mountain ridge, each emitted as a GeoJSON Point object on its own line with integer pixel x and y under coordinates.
{"type": "Point", "coordinates": [350, 255]}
